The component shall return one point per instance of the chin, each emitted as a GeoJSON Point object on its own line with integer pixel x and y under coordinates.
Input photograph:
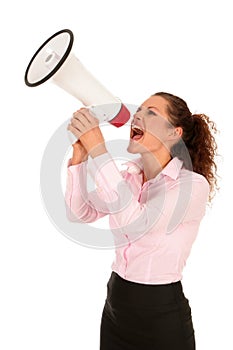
{"type": "Point", "coordinates": [133, 147]}
{"type": "Point", "coordinates": [129, 150]}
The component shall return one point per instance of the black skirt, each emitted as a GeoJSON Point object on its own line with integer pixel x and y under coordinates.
{"type": "Point", "coordinates": [145, 317]}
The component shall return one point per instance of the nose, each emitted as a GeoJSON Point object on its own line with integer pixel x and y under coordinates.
{"type": "Point", "coordinates": [137, 117]}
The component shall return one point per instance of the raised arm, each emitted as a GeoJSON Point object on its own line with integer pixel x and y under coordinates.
{"type": "Point", "coordinates": [80, 205]}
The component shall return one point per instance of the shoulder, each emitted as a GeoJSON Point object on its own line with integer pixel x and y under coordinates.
{"type": "Point", "coordinates": [199, 184]}
{"type": "Point", "coordinates": [192, 175]}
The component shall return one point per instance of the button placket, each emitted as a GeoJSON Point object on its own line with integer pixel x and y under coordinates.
{"type": "Point", "coordinates": [143, 188]}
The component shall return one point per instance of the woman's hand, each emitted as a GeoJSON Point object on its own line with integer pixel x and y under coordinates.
{"type": "Point", "coordinates": [86, 128]}
{"type": "Point", "coordinates": [79, 153]}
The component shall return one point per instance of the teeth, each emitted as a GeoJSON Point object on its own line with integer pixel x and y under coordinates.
{"type": "Point", "coordinates": [136, 127]}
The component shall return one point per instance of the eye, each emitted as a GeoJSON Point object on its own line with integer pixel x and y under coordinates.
{"type": "Point", "coordinates": [151, 112]}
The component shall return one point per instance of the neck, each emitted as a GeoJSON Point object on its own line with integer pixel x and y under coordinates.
{"type": "Point", "coordinates": [153, 163]}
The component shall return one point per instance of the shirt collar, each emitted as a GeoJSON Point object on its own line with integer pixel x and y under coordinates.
{"type": "Point", "coordinates": [172, 169]}
{"type": "Point", "coordinates": [134, 166]}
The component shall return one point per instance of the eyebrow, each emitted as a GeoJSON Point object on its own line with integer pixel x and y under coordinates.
{"type": "Point", "coordinates": [154, 108]}
{"type": "Point", "coordinates": [139, 108]}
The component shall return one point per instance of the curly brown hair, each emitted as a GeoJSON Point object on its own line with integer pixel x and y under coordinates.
{"type": "Point", "coordinates": [198, 138]}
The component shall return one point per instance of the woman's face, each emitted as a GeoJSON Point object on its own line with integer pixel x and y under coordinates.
{"type": "Point", "coordinates": [152, 118]}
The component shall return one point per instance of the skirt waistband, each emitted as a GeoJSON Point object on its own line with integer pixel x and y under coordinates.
{"type": "Point", "coordinates": [121, 291]}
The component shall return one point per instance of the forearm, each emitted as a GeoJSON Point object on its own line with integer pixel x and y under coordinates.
{"type": "Point", "coordinates": [79, 204]}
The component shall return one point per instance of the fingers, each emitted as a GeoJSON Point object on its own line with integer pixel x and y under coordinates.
{"type": "Point", "coordinates": [74, 131]}
{"type": "Point", "coordinates": [82, 123]}
{"type": "Point", "coordinates": [80, 117]}
{"type": "Point", "coordinates": [79, 124]}
{"type": "Point", "coordinates": [86, 116]}
{"type": "Point", "coordinates": [79, 121]}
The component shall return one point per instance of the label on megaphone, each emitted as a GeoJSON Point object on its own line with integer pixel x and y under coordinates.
{"type": "Point", "coordinates": [105, 112]}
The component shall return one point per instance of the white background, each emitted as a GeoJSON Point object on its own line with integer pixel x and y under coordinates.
{"type": "Point", "coordinates": [52, 290]}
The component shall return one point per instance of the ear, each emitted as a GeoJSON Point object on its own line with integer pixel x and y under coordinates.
{"type": "Point", "coordinates": [176, 133]}
{"type": "Point", "coordinates": [179, 131]}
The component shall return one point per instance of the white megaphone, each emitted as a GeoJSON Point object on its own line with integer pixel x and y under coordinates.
{"type": "Point", "coordinates": [55, 60]}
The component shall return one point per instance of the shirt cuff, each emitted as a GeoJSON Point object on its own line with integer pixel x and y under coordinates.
{"type": "Point", "coordinates": [76, 166]}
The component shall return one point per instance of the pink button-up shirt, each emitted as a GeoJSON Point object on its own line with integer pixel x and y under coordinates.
{"type": "Point", "coordinates": [154, 224]}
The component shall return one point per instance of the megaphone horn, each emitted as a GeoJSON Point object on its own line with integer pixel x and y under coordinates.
{"type": "Point", "coordinates": [55, 60]}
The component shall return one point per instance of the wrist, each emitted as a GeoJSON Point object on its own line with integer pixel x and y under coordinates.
{"type": "Point", "coordinates": [77, 159]}
{"type": "Point", "coordinates": [97, 151]}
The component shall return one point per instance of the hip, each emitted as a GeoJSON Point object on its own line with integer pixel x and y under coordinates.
{"type": "Point", "coordinates": [132, 294]}
{"type": "Point", "coordinates": [148, 314]}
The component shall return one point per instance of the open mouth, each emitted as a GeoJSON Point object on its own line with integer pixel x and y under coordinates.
{"type": "Point", "coordinates": [136, 132]}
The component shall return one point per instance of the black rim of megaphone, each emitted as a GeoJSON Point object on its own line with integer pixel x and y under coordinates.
{"type": "Point", "coordinates": [66, 54]}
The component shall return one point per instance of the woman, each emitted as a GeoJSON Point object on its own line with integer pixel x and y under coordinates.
{"type": "Point", "coordinates": [155, 208]}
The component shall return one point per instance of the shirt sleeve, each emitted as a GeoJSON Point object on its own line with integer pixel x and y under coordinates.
{"type": "Point", "coordinates": [186, 202]}
{"type": "Point", "coordinates": [166, 207]}
{"type": "Point", "coordinates": [81, 206]}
